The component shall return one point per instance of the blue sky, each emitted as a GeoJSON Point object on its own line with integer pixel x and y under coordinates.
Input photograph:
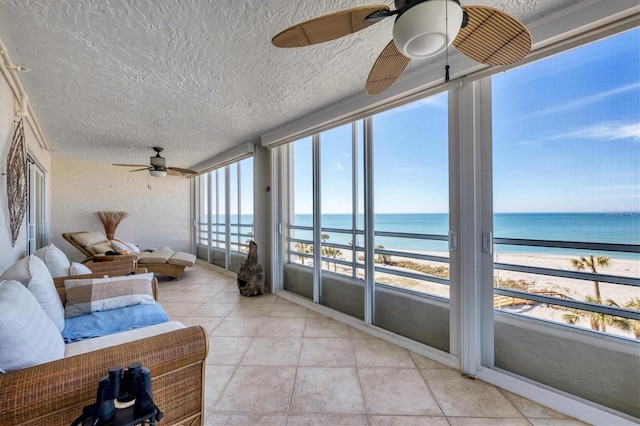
{"type": "Point", "coordinates": [566, 138]}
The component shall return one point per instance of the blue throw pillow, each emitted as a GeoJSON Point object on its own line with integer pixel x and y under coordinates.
{"type": "Point", "coordinates": [96, 324]}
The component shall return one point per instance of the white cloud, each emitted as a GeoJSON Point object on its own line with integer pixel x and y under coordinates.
{"type": "Point", "coordinates": [605, 131]}
{"type": "Point", "coordinates": [587, 100]}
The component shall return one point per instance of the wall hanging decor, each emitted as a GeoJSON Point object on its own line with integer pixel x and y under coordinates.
{"type": "Point", "coordinates": [17, 182]}
{"type": "Point", "coordinates": [110, 221]}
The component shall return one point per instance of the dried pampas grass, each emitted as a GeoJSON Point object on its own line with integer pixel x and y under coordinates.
{"type": "Point", "coordinates": [110, 221]}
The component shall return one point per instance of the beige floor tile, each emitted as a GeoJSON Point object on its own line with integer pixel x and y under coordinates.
{"type": "Point", "coordinates": [273, 351]}
{"type": "Point", "coordinates": [225, 297]}
{"type": "Point", "coordinates": [288, 310]}
{"type": "Point", "coordinates": [258, 390]}
{"type": "Point", "coordinates": [282, 327]}
{"type": "Point", "coordinates": [326, 420]}
{"type": "Point", "coordinates": [460, 396]}
{"type": "Point", "coordinates": [357, 334]}
{"type": "Point", "coordinates": [397, 391]}
{"type": "Point", "coordinates": [487, 421]}
{"type": "Point", "coordinates": [325, 327]}
{"type": "Point", "coordinates": [237, 327]}
{"type": "Point", "coordinates": [556, 422]}
{"type": "Point", "coordinates": [214, 309]}
{"type": "Point", "coordinates": [243, 419]}
{"type": "Point", "coordinates": [327, 379]}
{"type": "Point", "coordinates": [227, 350]}
{"type": "Point", "coordinates": [327, 390]}
{"type": "Point", "coordinates": [180, 309]}
{"type": "Point", "coordinates": [423, 362]}
{"type": "Point", "coordinates": [378, 353]}
{"type": "Point", "coordinates": [209, 323]}
{"type": "Point", "coordinates": [188, 296]}
{"type": "Point", "coordinates": [248, 310]}
{"type": "Point", "coordinates": [327, 352]}
{"type": "Point", "coordinates": [216, 378]}
{"type": "Point", "coordinates": [531, 409]}
{"type": "Point", "coordinates": [407, 421]}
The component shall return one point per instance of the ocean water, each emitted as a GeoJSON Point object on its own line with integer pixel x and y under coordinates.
{"type": "Point", "coordinates": [618, 228]}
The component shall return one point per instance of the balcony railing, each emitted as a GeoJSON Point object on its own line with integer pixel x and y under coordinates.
{"type": "Point", "coordinates": [538, 297]}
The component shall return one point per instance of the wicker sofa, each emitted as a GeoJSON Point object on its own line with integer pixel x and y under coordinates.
{"type": "Point", "coordinates": [55, 392]}
{"type": "Point", "coordinates": [164, 261]}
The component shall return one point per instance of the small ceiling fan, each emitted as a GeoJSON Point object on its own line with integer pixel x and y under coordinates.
{"type": "Point", "coordinates": [158, 166]}
{"type": "Point", "coordinates": [423, 28]}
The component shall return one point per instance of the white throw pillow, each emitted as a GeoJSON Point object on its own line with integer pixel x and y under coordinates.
{"type": "Point", "coordinates": [101, 294]}
{"type": "Point", "coordinates": [28, 335]}
{"type": "Point", "coordinates": [132, 247]}
{"type": "Point", "coordinates": [33, 274]}
{"type": "Point", "coordinates": [55, 259]}
{"type": "Point", "coordinates": [79, 269]}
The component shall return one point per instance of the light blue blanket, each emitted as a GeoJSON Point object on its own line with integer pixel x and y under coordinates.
{"type": "Point", "coordinates": [98, 324]}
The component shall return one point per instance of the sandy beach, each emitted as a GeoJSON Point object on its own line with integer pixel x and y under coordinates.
{"type": "Point", "coordinates": [575, 289]}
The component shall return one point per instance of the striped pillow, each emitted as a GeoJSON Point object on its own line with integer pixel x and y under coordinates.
{"type": "Point", "coordinates": [101, 294]}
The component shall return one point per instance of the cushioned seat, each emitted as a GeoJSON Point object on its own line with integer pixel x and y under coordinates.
{"type": "Point", "coordinates": [161, 255]}
{"type": "Point", "coordinates": [182, 258]}
{"type": "Point", "coordinates": [163, 261]}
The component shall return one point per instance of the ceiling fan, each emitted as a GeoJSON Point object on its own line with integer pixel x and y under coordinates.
{"type": "Point", "coordinates": [158, 166]}
{"type": "Point", "coordinates": [423, 28]}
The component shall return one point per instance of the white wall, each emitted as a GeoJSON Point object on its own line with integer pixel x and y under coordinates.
{"type": "Point", "coordinates": [8, 106]}
{"type": "Point", "coordinates": [159, 208]}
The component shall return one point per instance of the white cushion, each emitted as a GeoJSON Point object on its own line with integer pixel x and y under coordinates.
{"type": "Point", "coordinates": [161, 255]}
{"type": "Point", "coordinates": [100, 248]}
{"type": "Point", "coordinates": [33, 274]}
{"type": "Point", "coordinates": [101, 294]}
{"type": "Point", "coordinates": [90, 345]}
{"type": "Point", "coordinates": [56, 261]}
{"type": "Point", "coordinates": [86, 239]}
{"type": "Point", "coordinates": [79, 269]}
{"type": "Point", "coordinates": [28, 336]}
{"type": "Point", "coordinates": [120, 247]}
{"type": "Point", "coordinates": [182, 258]}
{"type": "Point", "coordinates": [132, 247]}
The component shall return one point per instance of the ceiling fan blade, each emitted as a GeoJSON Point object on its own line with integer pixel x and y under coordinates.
{"type": "Point", "coordinates": [139, 170]}
{"type": "Point", "coordinates": [493, 37]}
{"type": "Point", "coordinates": [328, 27]}
{"type": "Point", "coordinates": [130, 165]}
{"type": "Point", "coordinates": [172, 172]}
{"type": "Point", "coordinates": [182, 171]}
{"type": "Point", "coordinates": [386, 70]}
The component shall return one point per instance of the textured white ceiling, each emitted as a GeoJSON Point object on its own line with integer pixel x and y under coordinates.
{"type": "Point", "coordinates": [109, 79]}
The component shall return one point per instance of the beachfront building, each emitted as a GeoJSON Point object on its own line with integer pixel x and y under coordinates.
{"type": "Point", "coordinates": [491, 222]}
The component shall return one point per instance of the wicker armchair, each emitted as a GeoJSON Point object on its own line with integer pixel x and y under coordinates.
{"type": "Point", "coordinates": [54, 393]}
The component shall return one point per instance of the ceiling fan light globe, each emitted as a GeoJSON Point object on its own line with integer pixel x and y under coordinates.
{"type": "Point", "coordinates": [427, 28]}
{"type": "Point", "coordinates": [158, 173]}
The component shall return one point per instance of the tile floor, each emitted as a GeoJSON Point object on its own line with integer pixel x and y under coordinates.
{"type": "Point", "coordinates": [272, 362]}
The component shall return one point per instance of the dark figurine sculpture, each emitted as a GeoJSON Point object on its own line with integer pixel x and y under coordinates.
{"type": "Point", "coordinates": [251, 275]}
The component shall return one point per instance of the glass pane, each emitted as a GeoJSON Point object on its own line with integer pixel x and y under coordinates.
{"type": "Point", "coordinates": [411, 203]}
{"type": "Point", "coordinates": [566, 159]}
{"type": "Point", "coordinates": [339, 239]}
{"type": "Point", "coordinates": [218, 249]}
{"type": "Point", "coordinates": [299, 278]}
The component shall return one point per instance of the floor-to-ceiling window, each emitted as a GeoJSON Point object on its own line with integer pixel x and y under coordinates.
{"type": "Point", "coordinates": [225, 214]}
{"type": "Point", "coordinates": [411, 219]}
{"type": "Point", "coordinates": [539, 186]}
{"type": "Point", "coordinates": [330, 193]}
{"type": "Point", "coordinates": [566, 201]}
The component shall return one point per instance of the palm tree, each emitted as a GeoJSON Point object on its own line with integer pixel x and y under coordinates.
{"type": "Point", "coordinates": [303, 248]}
{"type": "Point", "coordinates": [591, 263]}
{"type": "Point", "coordinates": [635, 324]}
{"type": "Point", "coordinates": [597, 320]}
